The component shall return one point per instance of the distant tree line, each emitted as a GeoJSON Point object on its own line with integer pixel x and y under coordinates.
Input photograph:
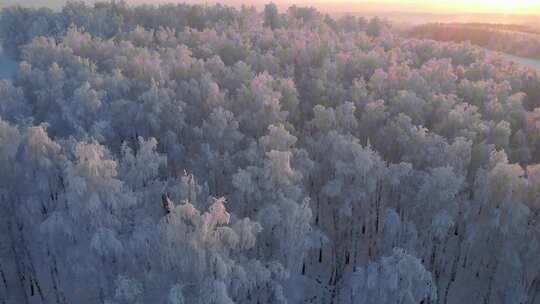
{"type": "Point", "coordinates": [512, 39]}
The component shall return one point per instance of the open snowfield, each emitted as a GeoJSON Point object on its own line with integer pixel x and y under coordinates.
{"type": "Point", "coordinates": [532, 63]}
{"type": "Point", "coordinates": [528, 62]}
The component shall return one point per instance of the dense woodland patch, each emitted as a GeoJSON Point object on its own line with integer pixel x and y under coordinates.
{"type": "Point", "coordinates": [205, 154]}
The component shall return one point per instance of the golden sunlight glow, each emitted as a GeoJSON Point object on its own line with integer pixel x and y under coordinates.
{"type": "Point", "coordinates": [529, 7]}
{"type": "Point", "coordinates": [499, 6]}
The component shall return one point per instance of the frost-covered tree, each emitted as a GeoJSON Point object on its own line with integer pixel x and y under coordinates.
{"type": "Point", "coordinates": [399, 278]}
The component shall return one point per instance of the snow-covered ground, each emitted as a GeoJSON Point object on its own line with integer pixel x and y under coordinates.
{"type": "Point", "coordinates": [8, 66]}
{"type": "Point", "coordinates": [532, 63]}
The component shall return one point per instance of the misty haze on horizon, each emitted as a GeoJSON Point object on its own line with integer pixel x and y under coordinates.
{"type": "Point", "coordinates": [406, 13]}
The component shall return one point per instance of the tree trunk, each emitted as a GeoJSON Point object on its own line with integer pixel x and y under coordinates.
{"type": "Point", "coordinates": [18, 263]}
{"type": "Point", "coordinates": [455, 267]}
{"type": "Point", "coordinates": [487, 297]}
{"type": "Point", "coordinates": [534, 288]}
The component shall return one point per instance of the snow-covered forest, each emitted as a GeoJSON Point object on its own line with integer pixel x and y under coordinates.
{"type": "Point", "coordinates": [213, 155]}
{"type": "Point", "coordinates": [519, 41]}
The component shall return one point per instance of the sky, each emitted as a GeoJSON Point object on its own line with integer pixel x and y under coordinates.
{"type": "Point", "coordinates": [456, 6]}
{"type": "Point", "coordinates": [511, 7]}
